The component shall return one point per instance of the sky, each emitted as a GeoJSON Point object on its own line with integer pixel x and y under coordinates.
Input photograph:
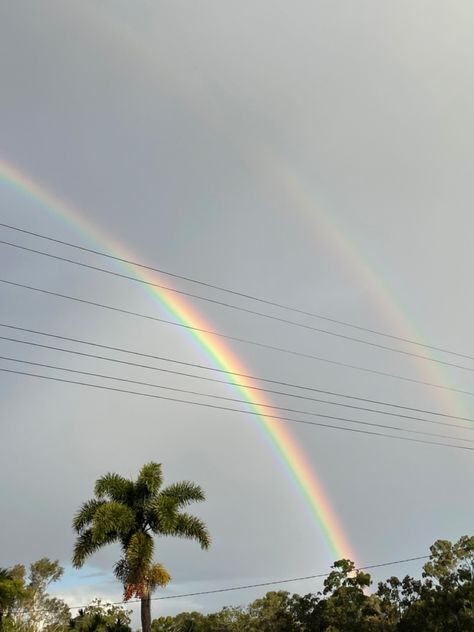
{"type": "Point", "coordinates": [316, 154]}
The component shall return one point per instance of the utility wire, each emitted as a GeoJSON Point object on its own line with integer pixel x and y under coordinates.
{"type": "Point", "coordinates": [282, 306]}
{"type": "Point", "coordinates": [227, 383]}
{"type": "Point", "coordinates": [241, 587]}
{"type": "Point", "coordinates": [239, 308]}
{"type": "Point", "coordinates": [236, 410]}
{"type": "Point", "coordinates": [285, 581]}
{"type": "Point", "coordinates": [226, 372]}
{"type": "Point", "coordinates": [255, 343]}
{"type": "Point", "coordinates": [235, 292]}
{"type": "Point", "coordinates": [235, 400]}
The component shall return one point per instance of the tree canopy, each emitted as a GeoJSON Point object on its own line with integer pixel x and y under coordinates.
{"type": "Point", "coordinates": [441, 601]}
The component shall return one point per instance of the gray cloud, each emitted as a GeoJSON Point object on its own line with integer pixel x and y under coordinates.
{"type": "Point", "coordinates": [226, 141]}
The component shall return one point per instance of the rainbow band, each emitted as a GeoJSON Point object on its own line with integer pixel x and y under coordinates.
{"type": "Point", "coordinates": [297, 194]}
{"type": "Point", "coordinates": [281, 439]}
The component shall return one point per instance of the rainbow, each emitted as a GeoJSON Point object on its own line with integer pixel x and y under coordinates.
{"type": "Point", "coordinates": [222, 356]}
{"type": "Point", "coordinates": [297, 194]}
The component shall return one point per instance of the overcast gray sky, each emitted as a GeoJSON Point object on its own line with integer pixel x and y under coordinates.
{"type": "Point", "coordinates": [319, 154]}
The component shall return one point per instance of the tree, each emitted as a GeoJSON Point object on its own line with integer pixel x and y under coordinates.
{"type": "Point", "coordinates": [11, 589]}
{"type": "Point", "coordinates": [131, 513]}
{"type": "Point", "coordinates": [183, 622]}
{"type": "Point", "coordinates": [34, 610]}
{"type": "Point", "coordinates": [99, 617]}
{"type": "Point", "coordinates": [272, 613]}
{"type": "Point", "coordinates": [226, 620]}
{"type": "Point", "coordinates": [443, 600]}
{"type": "Point", "coordinates": [345, 606]}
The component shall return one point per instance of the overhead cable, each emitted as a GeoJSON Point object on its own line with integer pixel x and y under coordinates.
{"type": "Point", "coordinates": [255, 343]}
{"type": "Point", "coordinates": [287, 321]}
{"type": "Point", "coordinates": [234, 588]}
{"type": "Point", "coordinates": [236, 384]}
{"type": "Point", "coordinates": [256, 405]}
{"type": "Point", "coordinates": [231, 374]}
{"type": "Point", "coordinates": [276, 418]}
{"type": "Point", "coordinates": [245, 295]}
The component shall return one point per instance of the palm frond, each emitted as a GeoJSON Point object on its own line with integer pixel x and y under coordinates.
{"type": "Point", "coordinates": [114, 487]}
{"type": "Point", "coordinates": [184, 493]}
{"type": "Point", "coordinates": [139, 552]}
{"type": "Point", "coordinates": [120, 570]}
{"type": "Point", "coordinates": [161, 514]}
{"type": "Point", "coordinates": [86, 513]}
{"type": "Point", "coordinates": [83, 548]}
{"type": "Point", "coordinates": [149, 479]}
{"type": "Point", "coordinates": [89, 542]}
{"type": "Point", "coordinates": [191, 528]}
{"type": "Point", "coordinates": [157, 575]}
{"type": "Point", "coordinates": [112, 519]}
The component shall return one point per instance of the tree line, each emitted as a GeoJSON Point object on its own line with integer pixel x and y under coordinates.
{"type": "Point", "coordinates": [442, 600]}
{"type": "Point", "coordinates": [132, 512]}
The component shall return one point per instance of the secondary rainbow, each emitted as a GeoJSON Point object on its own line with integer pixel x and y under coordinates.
{"type": "Point", "coordinates": [299, 196]}
{"type": "Point", "coordinates": [289, 453]}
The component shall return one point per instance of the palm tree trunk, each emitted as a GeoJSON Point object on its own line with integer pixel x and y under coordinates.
{"type": "Point", "coordinates": [146, 612]}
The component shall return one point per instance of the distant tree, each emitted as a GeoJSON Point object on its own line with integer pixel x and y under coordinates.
{"type": "Point", "coordinates": [306, 612]}
{"type": "Point", "coordinates": [131, 513]}
{"type": "Point", "coordinates": [275, 612]}
{"type": "Point", "coordinates": [443, 600]}
{"type": "Point", "coordinates": [183, 622]}
{"type": "Point", "coordinates": [34, 609]}
{"type": "Point", "coordinates": [272, 613]}
{"type": "Point", "coordinates": [100, 617]}
{"type": "Point", "coordinates": [345, 606]}
{"type": "Point", "coordinates": [11, 590]}
{"type": "Point", "coordinates": [226, 620]}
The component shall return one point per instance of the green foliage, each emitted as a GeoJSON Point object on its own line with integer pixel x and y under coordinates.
{"type": "Point", "coordinates": [131, 513]}
{"type": "Point", "coordinates": [11, 591]}
{"type": "Point", "coordinates": [32, 608]}
{"type": "Point", "coordinates": [441, 601]}
{"type": "Point", "coordinates": [227, 620]}
{"type": "Point", "coordinates": [99, 617]}
{"type": "Point", "coordinates": [184, 622]}
{"type": "Point", "coordinates": [347, 608]}
{"type": "Point", "coordinates": [272, 613]}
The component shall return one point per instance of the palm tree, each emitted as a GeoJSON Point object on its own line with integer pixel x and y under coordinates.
{"type": "Point", "coordinates": [131, 513]}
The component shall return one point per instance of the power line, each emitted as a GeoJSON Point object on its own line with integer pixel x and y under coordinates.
{"type": "Point", "coordinates": [286, 581]}
{"type": "Point", "coordinates": [236, 293]}
{"type": "Point", "coordinates": [238, 307]}
{"type": "Point", "coordinates": [227, 383]}
{"type": "Point", "coordinates": [226, 372]}
{"type": "Point", "coordinates": [235, 400]}
{"type": "Point", "coordinates": [255, 343]}
{"type": "Point", "coordinates": [241, 587]}
{"type": "Point", "coordinates": [237, 410]}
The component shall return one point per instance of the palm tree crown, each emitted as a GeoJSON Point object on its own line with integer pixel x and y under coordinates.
{"type": "Point", "coordinates": [131, 513]}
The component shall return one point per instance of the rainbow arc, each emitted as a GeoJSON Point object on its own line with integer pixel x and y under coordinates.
{"type": "Point", "coordinates": [220, 353]}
